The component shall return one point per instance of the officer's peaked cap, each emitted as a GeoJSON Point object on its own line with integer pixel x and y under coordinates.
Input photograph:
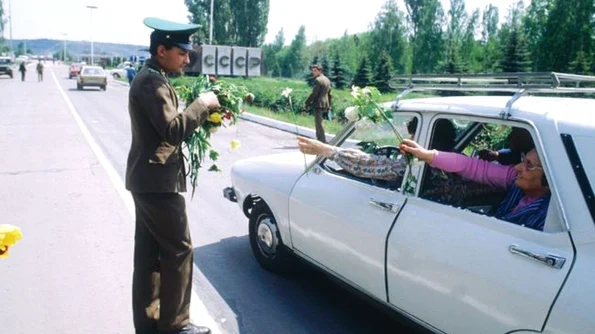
{"type": "Point", "coordinates": [171, 33]}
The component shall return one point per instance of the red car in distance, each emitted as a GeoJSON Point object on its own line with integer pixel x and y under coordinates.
{"type": "Point", "coordinates": [74, 70]}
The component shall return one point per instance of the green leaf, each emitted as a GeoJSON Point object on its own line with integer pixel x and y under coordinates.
{"type": "Point", "coordinates": [214, 168]}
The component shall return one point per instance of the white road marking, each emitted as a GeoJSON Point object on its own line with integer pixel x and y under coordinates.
{"type": "Point", "coordinates": [198, 311]}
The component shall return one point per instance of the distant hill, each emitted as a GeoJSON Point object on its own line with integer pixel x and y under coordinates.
{"type": "Point", "coordinates": [50, 46]}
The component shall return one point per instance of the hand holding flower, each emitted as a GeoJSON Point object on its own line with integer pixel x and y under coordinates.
{"type": "Point", "coordinates": [413, 148]}
{"type": "Point", "coordinates": [314, 147]}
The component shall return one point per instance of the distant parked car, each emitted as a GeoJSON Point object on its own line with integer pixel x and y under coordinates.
{"type": "Point", "coordinates": [74, 70]}
{"type": "Point", "coordinates": [91, 76]}
{"type": "Point", "coordinates": [120, 70]}
{"type": "Point", "coordinates": [6, 66]}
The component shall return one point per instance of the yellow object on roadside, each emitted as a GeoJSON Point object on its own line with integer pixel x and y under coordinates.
{"type": "Point", "coordinates": [235, 144]}
{"type": "Point", "coordinates": [9, 235]}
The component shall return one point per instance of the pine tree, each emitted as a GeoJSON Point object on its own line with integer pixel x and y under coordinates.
{"type": "Point", "coordinates": [516, 54]}
{"type": "Point", "coordinates": [363, 77]}
{"type": "Point", "coordinates": [384, 73]}
{"type": "Point", "coordinates": [338, 75]}
{"type": "Point", "coordinates": [326, 66]}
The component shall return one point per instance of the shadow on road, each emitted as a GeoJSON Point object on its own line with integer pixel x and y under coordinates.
{"type": "Point", "coordinates": [84, 90]}
{"type": "Point", "coordinates": [307, 302]}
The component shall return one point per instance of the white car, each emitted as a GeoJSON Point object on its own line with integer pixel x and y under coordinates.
{"type": "Point", "coordinates": [439, 257]}
{"type": "Point", "coordinates": [120, 70]}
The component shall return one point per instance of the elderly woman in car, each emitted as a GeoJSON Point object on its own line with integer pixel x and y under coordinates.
{"type": "Point", "coordinates": [528, 193]}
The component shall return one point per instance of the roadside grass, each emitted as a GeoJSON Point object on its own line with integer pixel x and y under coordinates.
{"type": "Point", "coordinates": [304, 120]}
{"type": "Point", "coordinates": [274, 86]}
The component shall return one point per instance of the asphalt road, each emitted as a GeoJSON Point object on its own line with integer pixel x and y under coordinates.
{"type": "Point", "coordinates": [237, 293]}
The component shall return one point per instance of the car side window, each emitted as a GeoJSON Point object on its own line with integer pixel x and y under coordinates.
{"type": "Point", "coordinates": [492, 191]}
{"type": "Point", "coordinates": [378, 142]}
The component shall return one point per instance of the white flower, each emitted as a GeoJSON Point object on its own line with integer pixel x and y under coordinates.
{"type": "Point", "coordinates": [352, 114]}
{"type": "Point", "coordinates": [286, 92]}
{"type": "Point", "coordinates": [366, 91]}
{"type": "Point", "coordinates": [364, 124]}
{"type": "Point", "coordinates": [354, 91]}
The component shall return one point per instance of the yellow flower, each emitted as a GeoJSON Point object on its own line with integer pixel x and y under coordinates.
{"type": "Point", "coordinates": [9, 235]}
{"type": "Point", "coordinates": [215, 118]}
{"type": "Point", "coordinates": [235, 144]}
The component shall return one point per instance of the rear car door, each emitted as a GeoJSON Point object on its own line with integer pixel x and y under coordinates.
{"type": "Point", "coordinates": [466, 272]}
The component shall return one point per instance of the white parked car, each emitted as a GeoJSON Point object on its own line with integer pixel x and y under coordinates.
{"type": "Point", "coordinates": [120, 70]}
{"type": "Point", "coordinates": [438, 256]}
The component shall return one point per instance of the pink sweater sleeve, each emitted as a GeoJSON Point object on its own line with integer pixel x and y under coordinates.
{"type": "Point", "coordinates": [474, 169]}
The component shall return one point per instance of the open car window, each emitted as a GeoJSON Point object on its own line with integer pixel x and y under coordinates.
{"type": "Point", "coordinates": [495, 143]}
{"type": "Point", "coordinates": [377, 140]}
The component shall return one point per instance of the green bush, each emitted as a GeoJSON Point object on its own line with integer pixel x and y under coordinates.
{"type": "Point", "coordinates": [267, 93]}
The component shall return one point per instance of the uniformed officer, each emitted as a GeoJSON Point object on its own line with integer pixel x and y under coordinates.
{"type": "Point", "coordinates": [155, 174]}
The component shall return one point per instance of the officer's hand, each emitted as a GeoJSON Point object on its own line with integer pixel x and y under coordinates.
{"type": "Point", "coordinates": [210, 100]}
{"type": "Point", "coordinates": [488, 155]}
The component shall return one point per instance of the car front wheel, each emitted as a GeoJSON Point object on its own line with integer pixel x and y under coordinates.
{"type": "Point", "coordinates": [265, 240]}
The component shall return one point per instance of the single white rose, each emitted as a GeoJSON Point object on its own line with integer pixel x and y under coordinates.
{"type": "Point", "coordinates": [352, 114]}
{"type": "Point", "coordinates": [354, 91]}
{"type": "Point", "coordinates": [286, 92]}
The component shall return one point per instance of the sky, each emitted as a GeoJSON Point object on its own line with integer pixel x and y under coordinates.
{"type": "Point", "coordinates": [120, 21]}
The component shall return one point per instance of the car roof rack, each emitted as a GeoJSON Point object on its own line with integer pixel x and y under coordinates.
{"type": "Point", "coordinates": [518, 83]}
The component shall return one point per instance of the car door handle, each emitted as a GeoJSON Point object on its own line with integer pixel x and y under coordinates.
{"type": "Point", "coordinates": [385, 206]}
{"type": "Point", "coordinates": [549, 260]}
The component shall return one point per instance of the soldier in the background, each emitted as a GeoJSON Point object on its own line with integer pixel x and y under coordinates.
{"type": "Point", "coordinates": [23, 70]}
{"type": "Point", "coordinates": [39, 71]}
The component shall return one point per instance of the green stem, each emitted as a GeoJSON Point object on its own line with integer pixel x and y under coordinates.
{"type": "Point", "coordinates": [409, 157]}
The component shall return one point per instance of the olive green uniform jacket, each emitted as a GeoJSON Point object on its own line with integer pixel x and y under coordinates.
{"type": "Point", "coordinates": [320, 98]}
{"type": "Point", "coordinates": [155, 161]}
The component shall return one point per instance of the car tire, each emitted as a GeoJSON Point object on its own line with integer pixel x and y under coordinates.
{"type": "Point", "coordinates": [103, 88]}
{"type": "Point", "coordinates": [116, 76]}
{"type": "Point", "coordinates": [265, 240]}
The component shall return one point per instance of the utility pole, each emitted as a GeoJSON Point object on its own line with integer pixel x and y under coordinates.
{"type": "Point", "coordinates": [211, 24]}
{"type": "Point", "coordinates": [64, 50]}
{"type": "Point", "coordinates": [92, 8]}
{"type": "Point", "coordinates": [10, 18]}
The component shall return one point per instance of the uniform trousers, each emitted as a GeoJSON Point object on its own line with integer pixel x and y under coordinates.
{"type": "Point", "coordinates": [162, 278]}
{"type": "Point", "coordinates": [318, 116]}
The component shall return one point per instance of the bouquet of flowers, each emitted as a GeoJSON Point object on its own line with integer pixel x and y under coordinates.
{"type": "Point", "coordinates": [231, 98]}
{"type": "Point", "coordinates": [367, 111]}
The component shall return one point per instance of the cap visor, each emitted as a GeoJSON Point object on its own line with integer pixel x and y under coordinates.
{"type": "Point", "coordinates": [187, 47]}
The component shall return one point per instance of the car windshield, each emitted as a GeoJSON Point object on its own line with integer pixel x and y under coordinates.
{"type": "Point", "coordinates": [92, 71]}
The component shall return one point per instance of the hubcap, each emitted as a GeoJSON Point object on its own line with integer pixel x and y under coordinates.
{"type": "Point", "coordinates": [267, 237]}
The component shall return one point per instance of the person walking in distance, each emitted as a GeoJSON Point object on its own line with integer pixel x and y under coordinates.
{"type": "Point", "coordinates": [23, 70]}
{"type": "Point", "coordinates": [320, 100]}
{"type": "Point", "coordinates": [155, 175]}
{"type": "Point", "coordinates": [130, 73]}
{"type": "Point", "coordinates": [39, 69]}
